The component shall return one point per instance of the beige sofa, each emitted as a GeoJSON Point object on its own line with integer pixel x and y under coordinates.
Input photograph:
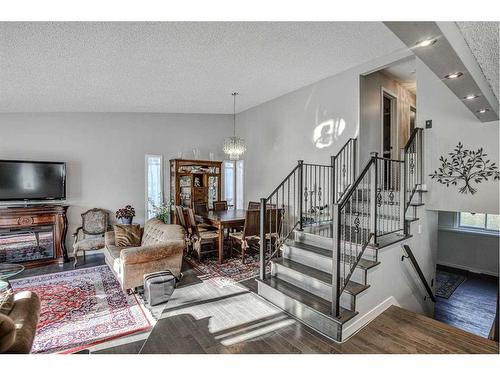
{"type": "Point", "coordinates": [19, 315]}
{"type": "Point", "coordinates": [162, 247]}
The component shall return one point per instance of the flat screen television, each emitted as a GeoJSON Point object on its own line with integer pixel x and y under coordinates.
{"type": "Point", "coordinates": [32, 180]}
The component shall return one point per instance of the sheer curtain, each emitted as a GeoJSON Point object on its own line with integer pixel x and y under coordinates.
{"type": "Point", "coordinates": [154, 184]}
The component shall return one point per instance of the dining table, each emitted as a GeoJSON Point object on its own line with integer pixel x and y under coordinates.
{"type": "Point", "coordinates": [231, 218]}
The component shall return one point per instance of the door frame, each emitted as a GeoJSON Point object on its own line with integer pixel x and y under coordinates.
{"type": "Point", "coordinates": [384, 92]}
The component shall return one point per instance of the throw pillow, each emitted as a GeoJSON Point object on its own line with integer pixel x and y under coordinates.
{"type": "Point", "coordinates": [7, 333]}
{"type": "Point", "coordinates": [127, 235]}
{"type": "Point", "coordinates": [6, 301]}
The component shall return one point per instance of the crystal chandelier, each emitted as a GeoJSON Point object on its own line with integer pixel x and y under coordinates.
{"type": "Point", "coordinates": [234, 146]}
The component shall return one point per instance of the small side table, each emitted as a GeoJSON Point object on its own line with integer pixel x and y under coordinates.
{"type": "Point", "coordinates": [8, 270]}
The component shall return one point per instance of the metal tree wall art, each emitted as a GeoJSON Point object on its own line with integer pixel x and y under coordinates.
{"type": "Point", "coordinates": [466, 167]}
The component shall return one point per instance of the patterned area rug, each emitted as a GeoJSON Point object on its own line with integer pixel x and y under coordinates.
{"type": "Point", "coordinates": [26, 247]}
{"type": "Point", "coordinates": [228, 273]}
{"type": "Point", "coordinates": [81, 308]}
{"type": "Point", "coordinates": [447, 283]}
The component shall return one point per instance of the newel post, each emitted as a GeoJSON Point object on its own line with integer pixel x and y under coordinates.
{"type": "Point", "coordinates": [262, 243]}
{"type": "Point", "coordinates": [334, 180]}
{"type": "Point", "coordinates": [336, 258]}
{"type": "Point", "coordinates": [402, 191]}
{"type": "Point", "coordinates": [374, 195]}
{"type": "Point", "coordinates": [301, 194]}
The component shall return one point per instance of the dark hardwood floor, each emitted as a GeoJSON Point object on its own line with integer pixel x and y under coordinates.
{"type": "Point", "coordinates": [96, 259]}
{"type": "Point", "coordinates": [472, 305]}
{"type": "Point", "coordinates": [210, 326]}
{"type": "Point", "coordinates": [203, 317]}
{"type": "Point", "coordinates": [395, 331]}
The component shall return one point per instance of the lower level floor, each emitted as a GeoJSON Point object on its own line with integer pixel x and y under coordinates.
{"type": "Point", "coordinates": [469, 301]}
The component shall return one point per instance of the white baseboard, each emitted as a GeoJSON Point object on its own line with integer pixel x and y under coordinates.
{"type": "Point", "coordinates": [349, 330]}
{"type": "Point", "coordinates": [465, 268]}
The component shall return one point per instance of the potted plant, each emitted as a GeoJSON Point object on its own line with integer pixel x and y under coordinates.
{"type": "Point", "coordinates": [162, 211]}
{"type": "Point", "coordinates": [125, 214]}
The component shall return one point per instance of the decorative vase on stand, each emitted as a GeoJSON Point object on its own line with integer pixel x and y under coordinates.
{"type": "Point", "coordinates": [125, 220]}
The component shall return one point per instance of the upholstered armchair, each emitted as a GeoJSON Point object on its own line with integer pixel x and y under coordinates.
{"type": "Point", "coordinates": [90, 236]}
{"type": "Point", "coordinates": [161, 248]}
{"type": "Point", "coordinates": [19, 316]}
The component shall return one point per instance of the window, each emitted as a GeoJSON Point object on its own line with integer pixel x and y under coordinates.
{"type": "Point", "coordinates": [233, 183]}
{"type": "Point", "coordinates": [239, 183]}
{"type": "Point", "coordinates": [470, 220]}
{"type": "Point", "coordinates": [229, 183]}
{"type": "Point", "coordinates": [154, 184]}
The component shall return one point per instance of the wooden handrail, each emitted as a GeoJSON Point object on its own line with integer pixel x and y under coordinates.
{"type": "Point", "coordinates": [412, 137]}
{"type": "Point", "coordinates": [420, 274]}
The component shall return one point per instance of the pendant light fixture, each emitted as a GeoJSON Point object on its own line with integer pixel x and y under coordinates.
{"type": "Point", "coordinates": [234, 146]}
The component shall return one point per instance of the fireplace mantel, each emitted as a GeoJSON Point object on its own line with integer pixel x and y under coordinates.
{"type": "Point", "coordinates": [36, 219]}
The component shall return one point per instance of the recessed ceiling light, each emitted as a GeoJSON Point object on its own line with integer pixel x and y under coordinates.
{"type": "Point", "coordinates": [484, 110]}
{"type": "Point", "coordinates": [453, 75]}
{"type": "Point", "coordinates": [470, 97]}
{"type": "Point", "coordinates": [426, 42]}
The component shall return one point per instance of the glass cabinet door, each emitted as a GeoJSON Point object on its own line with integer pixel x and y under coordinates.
{"type": "Point", "coordinates": [213, 188]}
{"type": "Point", "coordinates": [185, 190]}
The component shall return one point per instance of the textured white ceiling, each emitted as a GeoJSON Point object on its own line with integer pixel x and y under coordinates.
{"type": "Point", "coordinates": [174, 67]}
{"type": "Point", "coordinates": [483, 41]}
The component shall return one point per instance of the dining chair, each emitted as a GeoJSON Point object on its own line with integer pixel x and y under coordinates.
{"type": "Point", "coordinates": [253, 205]}
{"type": "Point", "coordinates": [200, 207]}
{"type": "Point", "coordinates": [200, 238]}
{"type": "Point", "coordinates": [273, 227]}
{"type": "Point", "coordinates": [220, 206]}
{"type": "Point", "coordinates": [249, 234]}
{"type": "Point", "coordinates": [179, 212]}
{"type": "Point", "coordinates": [256, 205]}
{"type": "Point", "coordinates": [272, 224]}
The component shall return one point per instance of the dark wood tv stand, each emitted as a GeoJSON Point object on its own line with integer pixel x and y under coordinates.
{"type": "Point", "coordinates": [36, 219]}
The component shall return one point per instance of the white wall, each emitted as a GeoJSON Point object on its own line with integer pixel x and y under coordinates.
{"type": "Point", "coordinates": [453, 123]}
{"type": "Point", "coordinates": [468, 250]}
{"type": "Point", "coordinates": [281, 131]}
{"type": "Point", "coordinates": [105, 151]}
{"type": "Point", "coordinates": [398, 280]}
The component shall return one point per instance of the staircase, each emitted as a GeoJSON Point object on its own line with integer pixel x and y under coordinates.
{"type": "Point", "coordinates": [324, 226]}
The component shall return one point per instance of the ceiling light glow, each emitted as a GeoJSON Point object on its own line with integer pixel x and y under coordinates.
{"type": "Point", "coordinates": [484, 110]}
{"type": "Point", "coordinates": [453, 75]}
{"type": "Point", "coordinates": [426, 42]}
{"type": "Point", "coordinates": [470, 97]}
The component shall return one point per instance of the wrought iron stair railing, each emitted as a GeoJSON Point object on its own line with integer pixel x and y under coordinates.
{"type": "Point", "coordinates": [369, 210]}
{"type": "Point", "coordinates": [361, 209]}
{"type": "Point", "coordinates": [304, 198]}
{"type": "Point", "coordinates": [344, 168]}
{"type": "Point", "coordinates": [412, 156]}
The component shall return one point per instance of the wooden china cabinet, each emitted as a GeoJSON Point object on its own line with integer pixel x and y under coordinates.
{"type": "Point", "coordinates": [195, 181]}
